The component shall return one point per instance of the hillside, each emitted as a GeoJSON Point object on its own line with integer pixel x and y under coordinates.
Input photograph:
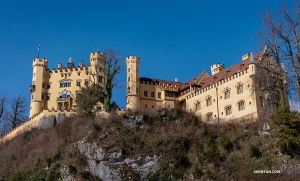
{"type": "Point", "coordinates": [167, 145]}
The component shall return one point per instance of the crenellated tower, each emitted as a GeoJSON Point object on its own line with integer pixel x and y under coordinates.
{"type": "Point", "coordinates": [37, 87]}
{"type": "Point", "coordinates": [97, 63]}
{"type": "Point", "coordinates": [132, 94]}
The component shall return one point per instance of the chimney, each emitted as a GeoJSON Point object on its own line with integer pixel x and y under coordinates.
{"type": "Point", "coordinates": [176, 79]}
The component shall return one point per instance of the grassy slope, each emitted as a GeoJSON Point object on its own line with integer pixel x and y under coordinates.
{"type": "Point", "coordinates": [185, 145]}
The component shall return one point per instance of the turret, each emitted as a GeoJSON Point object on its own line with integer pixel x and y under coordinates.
{"type": "Point", "coordinates": [132, 94]}
{"type": "Point", "coordinates": [36, 88]}
{"type": "Point", "coordinates": [216, 68]}
{"type": "Point", "coordinates": [96, 69]}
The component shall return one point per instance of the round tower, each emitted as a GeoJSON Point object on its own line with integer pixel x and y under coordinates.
{"type": "Point", "coordinates": [37, 86]}
{"type": "Point", "coordinates": [133, 85]}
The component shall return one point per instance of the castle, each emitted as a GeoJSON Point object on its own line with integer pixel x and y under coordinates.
{"type": "Point", "coordinates": [56, 89]}
{"type": "Point", "coordinates": [53, 92]}
{"type": "Point", "coordinates": [227, 94]}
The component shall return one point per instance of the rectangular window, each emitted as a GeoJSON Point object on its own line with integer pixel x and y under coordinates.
{"type": "Point", "coordinates": [227, 94]}
{"type": "Point", "coordinates": [48, 97]}
{"type": "Point", "coordinates": [159, 95]}
{"type": "Point", "coordinates": [86, 83]}
{"type": "Point", "coordinates": [69, 83]}
{"type": "Point", "coordinates": [198, 106]}
{"type": "Point", "coordinates": [61, 84]}
{"type": "Point", "coordinates": [128, 70]}
{"type": "Point", "coordinates": [241, 105]}
{"type": "Point", "coordinates": [239, 89]}
{"type": "Point", "coordinates": [128, 78]}
{"type": "Point", "coordinates": [100, 79]}
{"type": "Point", "coordinates": [208, 102]}
{"type": "Point", "coordinates": [152, 94]}
{"type": "Point", "coordinates": [78, 83]}
{"type": "Point", "coordinates": [228, 110]}
{"type": "Point", "coordinates": [48, 86]}
{"type": "Point", "coordinates": [145, 93]}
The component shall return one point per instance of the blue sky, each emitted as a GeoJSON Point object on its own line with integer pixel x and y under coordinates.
{"type": "Point", "coordinates": [173, 38]}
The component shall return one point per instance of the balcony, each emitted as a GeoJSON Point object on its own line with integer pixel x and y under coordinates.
{"type": "Point", "coordinates": [171, 98]}
{"type": "Point", "coordinates": [64, 99]}
{"type": "Point", "coordinates": [32, 88]}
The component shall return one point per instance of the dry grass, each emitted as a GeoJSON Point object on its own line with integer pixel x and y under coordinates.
{"type": "Point", "coordinates": [186, 146]}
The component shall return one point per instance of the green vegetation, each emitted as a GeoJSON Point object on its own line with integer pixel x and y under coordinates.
{"type": "Point", "coordinates": [186, 147]}
{"type": "Point", "coordinates": [286, 126]}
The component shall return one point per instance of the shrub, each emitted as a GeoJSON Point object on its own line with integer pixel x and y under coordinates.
{"type": "Point", "coordinates": [40, 176]}
{"type": "Point", "coordinates": [180, 159]}
{"type": "Point", "coordinates": [255, 152]}
{"type": "Point", "coordinates": [286, 126]}
{"type": "Point", "coordinates": [225, 143]}
{"type": "Point", "coordinates": [72, 170]}
{"type": "Point", "coordinates": [85, 174]}
{"type": "Point", "coordinates": [96, 127]}
{"type": "Point", "coordinates": [53, 174]}
{"type": "Point", "coordinates": [159, 175]}
{"type": "Point", "coordinates": [17, 176]}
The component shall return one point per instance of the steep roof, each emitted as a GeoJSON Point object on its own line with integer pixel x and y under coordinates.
{"type": "Point", "coordinates": [230, 71]}
{"type": "Point", "coordinates": [202, 80]}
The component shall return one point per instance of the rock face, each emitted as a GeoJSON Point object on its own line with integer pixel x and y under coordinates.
{"type": "Point", "coordinates": [134, 121]}
{"type": "Point", "coordinates": [109, 165]}
{"type": "Point", "coordinates": [47, 122]}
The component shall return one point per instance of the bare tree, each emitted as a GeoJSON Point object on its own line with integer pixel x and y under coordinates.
{"type": "Point", "coordinates": [17, 111]}
{"type": "Point", "coordinates": [111, 69]}
{"type": "Point", "coordinates": [281, 33]}
{"type": "Point", "coordinates": [3, 102]}
{"type": "Point", "coordinates": [270, 82]}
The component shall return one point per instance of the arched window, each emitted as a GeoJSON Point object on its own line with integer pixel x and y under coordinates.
{"type": "Point", "coordinates": [228, 110]}
{"type": "Point", "coordinates": [227, 93]}
{"type": "Point", "coordinates": [241, 105]}
{"type": "Point", "coordinates": [64, 94]}
{"type": "Point", "coordinates": [208, 101]}
{"type": "Point", "coordinates": [209, 117]}
{"type": "Point", "coordinates": [197, 105]}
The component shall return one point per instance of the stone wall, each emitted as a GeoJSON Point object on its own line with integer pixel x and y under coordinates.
{"type": "Point", "coordinates": [42, 120]}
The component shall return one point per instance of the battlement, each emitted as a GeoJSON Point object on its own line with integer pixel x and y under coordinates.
{"type": "Point", "coordinates": [40, 62]}
{"type": "Point", "coordinates": [66, 69]}
{"type": "Point", "coordinates": [216, 68]}
{"type": "Point", "coordinates": [97, 54]}
{"type": "Point", "coordinates": [133, 59]}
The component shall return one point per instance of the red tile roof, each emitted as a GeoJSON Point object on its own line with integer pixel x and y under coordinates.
{"type": "Point", "coordinates": [223, 74]}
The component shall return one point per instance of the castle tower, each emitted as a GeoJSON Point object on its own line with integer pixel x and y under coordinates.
{"type": "Point", "coordinates": [132, 94]}
{"type": "Point", "coordinates": [216, 68]}
{"type": "Point", "coordinates": [37, 87]}
{"type": "Point", "coordinates": [97, 62]}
